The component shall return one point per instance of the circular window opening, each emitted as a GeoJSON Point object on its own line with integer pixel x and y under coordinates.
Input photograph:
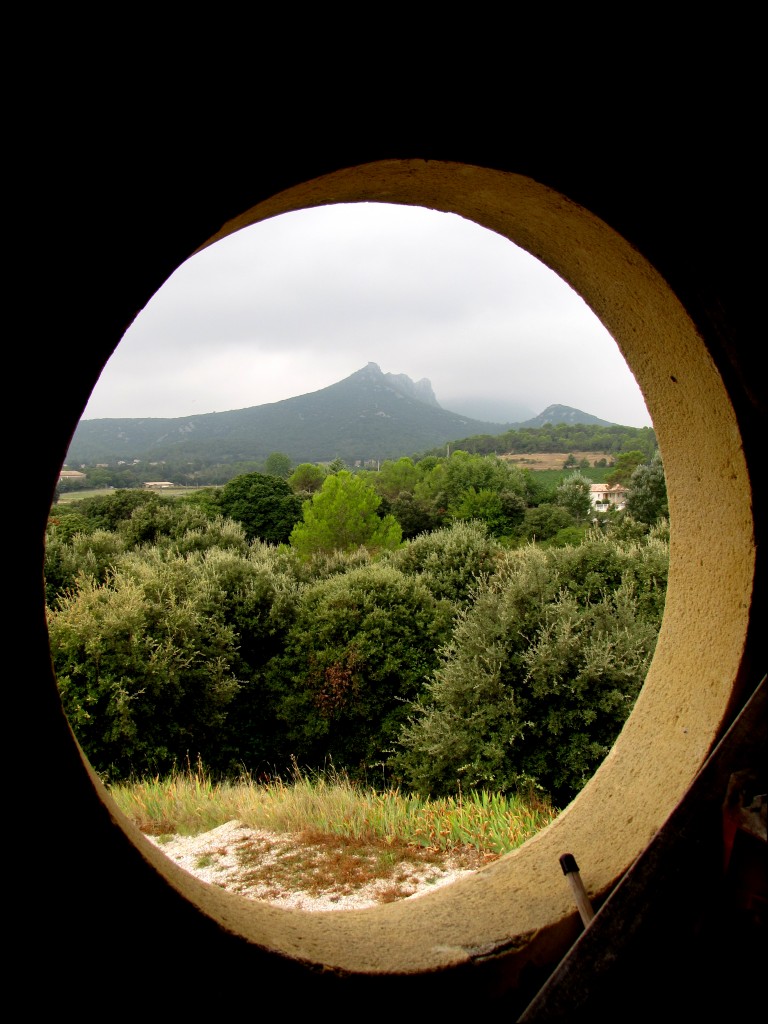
{"type": "Point", "coordinates": [671, 727]}
{"type": "Point", "coordinates": [290, 306]}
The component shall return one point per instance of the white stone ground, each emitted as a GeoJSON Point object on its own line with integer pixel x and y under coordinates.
{"type": "Point", "coordinates": [212, 858]}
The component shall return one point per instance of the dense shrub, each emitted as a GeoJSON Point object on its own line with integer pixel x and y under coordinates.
{"type": "Point", "coordinates": [90, 555]}
{"type": "Point", "coordinates": [107, 511]}
{"type": "Point", "coordinates": [544, 522]}
{"type": "Point", "coordinates": [256, 598]}
{"type": "Point", "coordinates": [540, 672]}
{"type": "Point", "coordinates": [144, 665]}
{"type": "Point", "coordinates": [446, 659]}
{"type": "Point", "coordinates": [451, 560]}
{"type": "Point", "coordinates": [360, 646]}
{"type": "Point", "coordinates": [501, 512]}
{"type": "Point", "coordinates": [172, 528]}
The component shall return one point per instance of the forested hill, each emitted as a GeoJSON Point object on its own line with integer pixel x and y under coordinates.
{"type": "Point", "coordinates": [368, 415]}
{"type": "Point", "coordinates": [554, 435]}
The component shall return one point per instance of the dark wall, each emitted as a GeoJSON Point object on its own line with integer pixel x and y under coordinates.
{"type": "Point", "coordinates": [113, 213]}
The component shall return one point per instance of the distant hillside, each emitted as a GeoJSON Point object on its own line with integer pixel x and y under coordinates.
{"type": "Point", "coordinates": [557, 414]}
{"type": "Point", "coordinates": [557, 430]}
{"type": "Point", "coordinates": [369, 415]}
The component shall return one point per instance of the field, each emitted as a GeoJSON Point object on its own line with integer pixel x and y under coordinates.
{"type": "Point", "coordinates": [69, 496]}
{"type": "Point", "coordinates": [552, 460]}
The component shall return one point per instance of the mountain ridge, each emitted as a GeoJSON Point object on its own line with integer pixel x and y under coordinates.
{"type": "Point", "coordinates": [367, 416]}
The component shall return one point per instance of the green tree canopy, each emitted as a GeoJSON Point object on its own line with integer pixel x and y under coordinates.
{"type": "Point", "coordinates": [206, 498]}
{"type": "Point", "coordinates": [278, 464]}
{"type": "Point", "coordinates": [544, 521]}
{"type": "Point", "coordinates": [307, 478]}
{"type": "Point", "coordinates": [647, 492]}
{"type": "Point", "coordinates": [342, 516]}
{"type": "Point", "coordinates": [414, 515]}
{"type": "Point", "coordinates": [397, 477]}
{"type": "Point", "coordinates": [104, 512]}
{"type": "Point", "coordinates": [624, 467]}
{"type": "Point", "coordinates": [66, 523]}
{"type": "Point", "coordinates": [573, 494]}
{"type": "Point", "coordinates": [265, 505]}
{"type": "Point", "coordinates": [501, 512]}
{"type": "Point", "coordinates": [444, 487]}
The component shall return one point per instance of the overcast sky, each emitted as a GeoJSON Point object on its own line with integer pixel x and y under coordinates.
{"type": "Point", "coordinates": [301, 301]}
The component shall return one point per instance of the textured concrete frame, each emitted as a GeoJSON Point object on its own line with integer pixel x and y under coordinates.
{"type": "Point", "coordinates": [518, 912]}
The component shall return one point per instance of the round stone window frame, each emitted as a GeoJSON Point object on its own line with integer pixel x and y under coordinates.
{"type": "Point", "coordinates": [519, 908]}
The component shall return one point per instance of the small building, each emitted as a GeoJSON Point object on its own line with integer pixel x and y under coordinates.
{"type": "Point", "coordinates": [158, 485]}
{"type": "Point", "coordinates": [71, 474]}
{"type": "Point", "coordinates": [605, 496]}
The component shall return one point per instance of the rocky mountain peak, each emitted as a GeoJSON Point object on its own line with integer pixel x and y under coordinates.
{"type": "Point", "coordinates": [421, 390]}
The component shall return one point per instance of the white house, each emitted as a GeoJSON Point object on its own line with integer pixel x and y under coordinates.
{"type": "Point", "coordinates": [605, 496]}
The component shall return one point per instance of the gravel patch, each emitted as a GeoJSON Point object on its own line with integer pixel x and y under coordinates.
{"type": "Point", "coordinates": [286, 872]}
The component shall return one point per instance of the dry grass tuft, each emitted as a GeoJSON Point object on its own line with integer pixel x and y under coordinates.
{"type": "Point", "coordinates": [323, 837]}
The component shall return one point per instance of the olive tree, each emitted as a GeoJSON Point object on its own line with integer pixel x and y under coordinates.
{"type": "Point", "coordinates": [145, 665]}
{"type": "Point", "coordinates": [540, 672]}
{"type": "Point", "coordinates": [450, 561]}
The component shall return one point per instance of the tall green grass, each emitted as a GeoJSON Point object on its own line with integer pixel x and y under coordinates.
{"type": "Point", "coordinates": [188, 802]}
